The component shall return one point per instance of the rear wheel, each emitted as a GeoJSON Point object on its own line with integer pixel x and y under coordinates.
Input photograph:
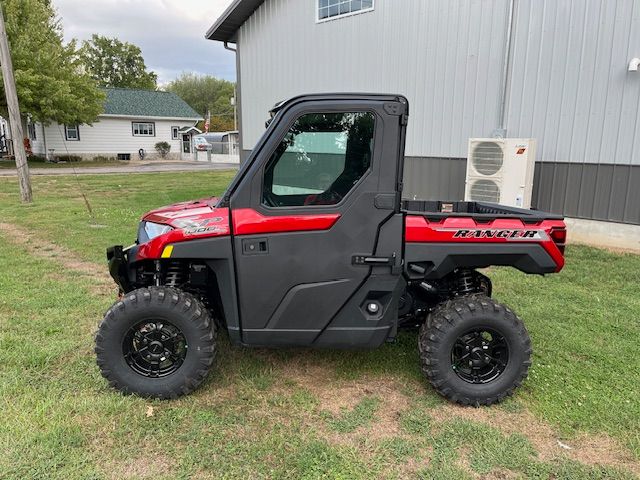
{"type": "Point", "coordinates": [474, 351]}
{"type": "Point", "coordinates": [156, 342]}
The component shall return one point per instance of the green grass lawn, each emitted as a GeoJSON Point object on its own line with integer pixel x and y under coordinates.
{"type": "Point", "coordinates": [11, 164]}
{"type": "Point", "coordinates": [298, 413]}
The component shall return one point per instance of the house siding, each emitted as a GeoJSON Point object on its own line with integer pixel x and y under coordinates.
{"type": "Point", "coordinates": [109, 136]}
{"type": "Point", "coordinates": [37, 145]}
{"type": "Point", "coordinates": [568, 86]}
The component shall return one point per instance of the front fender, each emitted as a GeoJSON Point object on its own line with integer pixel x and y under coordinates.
{"type": "Point", "coordinates": [119, 261]}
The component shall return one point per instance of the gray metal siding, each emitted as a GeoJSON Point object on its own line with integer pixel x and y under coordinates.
{"type": "Point", "coordinates": [434, 178]}
{"type": "Point", "coordinates": [444, 55]}
{"type": "Point", "coordinates": [579, 190]}
{"type": "Point", "coordinates": [569, 84]}
{"type": "Point", "coordinates": [587, 190]}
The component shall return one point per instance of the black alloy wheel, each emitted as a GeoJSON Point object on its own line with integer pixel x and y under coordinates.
{"type": "Point", "coordinates": [156, 342]}
{"type": "Point", "coordinates": [474, 351]}
{"type": "Point", "coordinates": [479, 355]}
{"type": "Point", "coordinates": [154, 348]}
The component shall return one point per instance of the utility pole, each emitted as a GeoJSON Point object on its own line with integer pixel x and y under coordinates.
{"type": "Point", "coordinates": [14, 115]}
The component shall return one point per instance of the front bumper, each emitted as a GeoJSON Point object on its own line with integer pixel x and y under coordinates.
{"type": "Point", "coordinates": [119, 261]}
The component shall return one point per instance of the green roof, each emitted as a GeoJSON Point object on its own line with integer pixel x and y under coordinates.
{"type": "Point", "coordinates": [146, 103]}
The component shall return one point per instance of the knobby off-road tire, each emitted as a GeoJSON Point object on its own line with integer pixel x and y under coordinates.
{"type": "Point", "coordinates": [462, 317]}
{"type": "Point", "coordinates": [146, 316]}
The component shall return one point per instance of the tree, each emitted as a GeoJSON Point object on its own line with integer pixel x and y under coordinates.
{"type": "Point", "coordinates": [206, 93]}
{"type": "Point", "coordinates": [113, 63]}
{"type": "Point", "coordinates": [48, 74]}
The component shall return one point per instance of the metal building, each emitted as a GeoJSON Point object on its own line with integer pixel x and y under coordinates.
{"type": "Point", "coordinates": [554, 70]}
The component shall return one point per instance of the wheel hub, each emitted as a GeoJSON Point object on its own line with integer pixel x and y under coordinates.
{"type": "Point", "coordinates": [154, 348]}
{"type": "Point", "coordinates": [479, 358]}
{"type": "Point", "coordinates": [479, 355]}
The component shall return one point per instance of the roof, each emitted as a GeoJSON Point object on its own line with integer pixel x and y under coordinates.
{"type": "Point", "coordinates": [147, 103]}
{"type": "Point", "coordinates": [215, 136]}
{"type": "Point", "coordinates": [189, 129]}
{"type": "Point", "coordinates": [225, 28]}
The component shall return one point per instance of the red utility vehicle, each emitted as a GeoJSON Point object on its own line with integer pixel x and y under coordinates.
{"type": "Point", "coordinates": [312, 245]}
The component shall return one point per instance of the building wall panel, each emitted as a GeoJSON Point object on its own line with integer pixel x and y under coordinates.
{"type": "Point", "coordinates": [602, 192]}
{"type": "Point", "coordinates": [632, 205]}
{"type": "Point", "coordinates": [618, 192]}
{"type": "Point", "coordinates": [568, 86]}
{"type": "Point", "coordinates": [587, 190]}
{"type": "Point", "coordinates": [446, 56]}
{"type": "Point", "coordinates": [434, 178]}
{"type": "Point", "coordinates": [572, 192]}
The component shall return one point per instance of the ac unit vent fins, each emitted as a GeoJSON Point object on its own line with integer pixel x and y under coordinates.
{"type": "Point", "coordinates": [487, 158]}
{"type": "Point", "coordinates": [484, 191]}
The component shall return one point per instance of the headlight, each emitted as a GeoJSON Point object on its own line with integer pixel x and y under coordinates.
{"type": "Point", "coordinates": [149, 231]}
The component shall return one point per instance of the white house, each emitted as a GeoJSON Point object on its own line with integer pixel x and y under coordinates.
{"type": "Point", "coordinates": [133, 120]}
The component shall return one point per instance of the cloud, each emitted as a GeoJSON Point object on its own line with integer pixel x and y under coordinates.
{"type": "Point", "coordinates": [170, 33]}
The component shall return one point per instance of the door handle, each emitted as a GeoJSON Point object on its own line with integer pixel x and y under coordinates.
{"type": "Point", "coordinates": [392, 261]}
{"type": "Point", "coordinates": [365, 260]}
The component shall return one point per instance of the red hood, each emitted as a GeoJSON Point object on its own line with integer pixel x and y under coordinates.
{"type": "Point", "coordinates": [190, 220]}
{"type": "Point", "coordinates": [174, 214]}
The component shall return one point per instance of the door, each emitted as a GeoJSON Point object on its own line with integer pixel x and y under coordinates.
{"type": "Point", "coordinates": [186, 146]}
{"type": "Point", "coordinates": [317, 228]}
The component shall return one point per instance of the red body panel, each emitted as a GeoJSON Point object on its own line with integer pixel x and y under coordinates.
{"type": "Point", "coordinates": [465, 229]}
{"type": "Point", "coordinates": [191, 224]}
{"type": "Point", "coordinates": [247, 221]}
{"type": "Point", "coordinates": [169, 213]}
{"type": "Point", "coordinates": [201, 219]}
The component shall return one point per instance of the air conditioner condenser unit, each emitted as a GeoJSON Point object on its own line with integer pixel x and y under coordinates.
{"type": "Point", "coordinates": [500, 170]}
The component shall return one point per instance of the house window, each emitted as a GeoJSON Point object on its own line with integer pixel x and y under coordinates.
{"type": "Point", "coordinates": [328, 9]}
{"type": "Point", "coordinates": [31, 131]}
{"type": "Point", "coordinates": [72, 133]}
{"type": "Point", "coordinates": [143, 129]}
{"type": "Point", "coordinates": [174, 133]}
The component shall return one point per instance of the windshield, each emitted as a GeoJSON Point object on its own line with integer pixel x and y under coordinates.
{"type": "Point", "coordinates": [244, 166]}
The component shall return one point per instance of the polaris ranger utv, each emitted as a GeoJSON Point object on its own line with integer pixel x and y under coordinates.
{"type": "Point", "coordinates": [312, 245]}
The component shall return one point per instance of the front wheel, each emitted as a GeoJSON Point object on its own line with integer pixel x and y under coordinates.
{"type": "Point", "coordinates": [156, 342]}
{"type": "Point", "coordinates": [474, 351]}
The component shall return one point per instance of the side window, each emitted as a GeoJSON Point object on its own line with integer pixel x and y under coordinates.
{"type": "Point", "coordinates": [320, 159]}
{"type": "Point", "coordinates": [72, 133]}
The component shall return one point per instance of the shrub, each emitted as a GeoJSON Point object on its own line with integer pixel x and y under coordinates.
{"type": "Point", "coordinates": [69, 158]}
{"type": "Point", "coordinates": [37, 159]}
{"type": "Point", "coordinates": [103, 159]}
{"type": "Point", "coordinates": [163, 149]}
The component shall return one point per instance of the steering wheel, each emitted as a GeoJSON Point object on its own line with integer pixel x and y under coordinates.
{"type": "Point", "coordinates": [325, 198]}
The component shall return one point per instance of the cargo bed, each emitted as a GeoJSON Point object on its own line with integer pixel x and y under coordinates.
{"type": "Point", "coordinates": [483, 211]}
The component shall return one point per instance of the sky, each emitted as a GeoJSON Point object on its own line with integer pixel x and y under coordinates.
{"type": "Point", "coordinates": [169, 32]}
